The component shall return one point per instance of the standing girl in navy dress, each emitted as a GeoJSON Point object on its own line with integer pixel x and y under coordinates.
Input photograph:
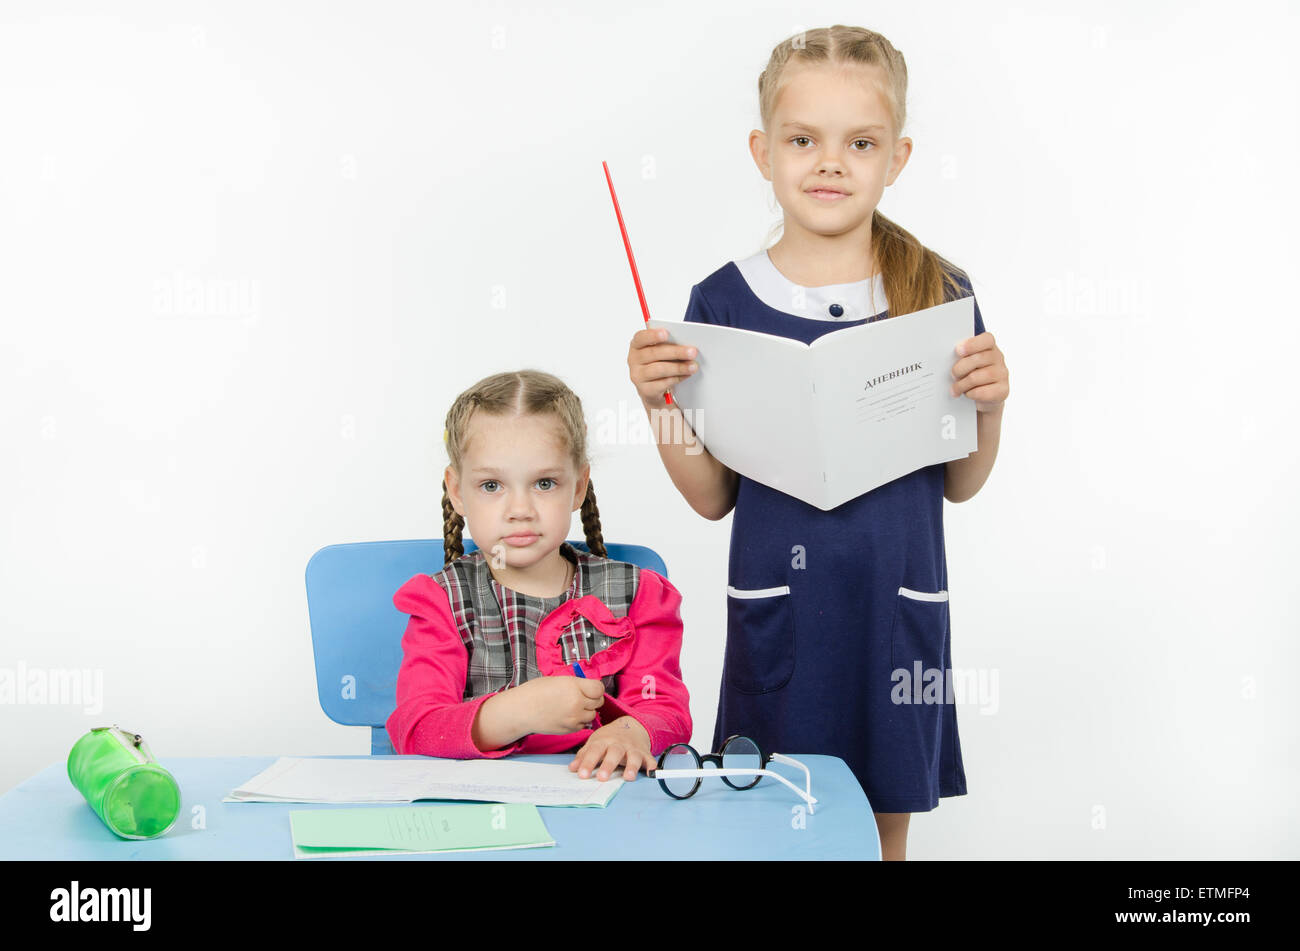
{"type": "Point", "coordinates": [829, 613]}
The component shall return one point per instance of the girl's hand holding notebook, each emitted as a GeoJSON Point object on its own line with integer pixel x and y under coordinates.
{"type": "Point", "coordinates": [654, 365]}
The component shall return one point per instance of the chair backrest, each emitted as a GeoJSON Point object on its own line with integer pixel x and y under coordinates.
{"type": "Point", "coordinates": [356, 632]}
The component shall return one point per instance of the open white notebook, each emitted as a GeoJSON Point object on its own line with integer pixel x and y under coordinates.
{"type": "Point", "coordinates": [383, 779]}
{"type": "Point", "coordinates": [828, 421]}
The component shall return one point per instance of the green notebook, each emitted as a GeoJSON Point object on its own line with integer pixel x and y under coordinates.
{"type": "Point", "coordinates": [398, 830]}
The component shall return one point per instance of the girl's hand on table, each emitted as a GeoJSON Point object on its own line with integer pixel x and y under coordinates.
{"type": "Point", "coordinates": [623, 740]}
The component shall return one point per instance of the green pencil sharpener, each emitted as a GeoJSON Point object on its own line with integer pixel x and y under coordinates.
{"type": "Point", "coordinates": [124, 783]}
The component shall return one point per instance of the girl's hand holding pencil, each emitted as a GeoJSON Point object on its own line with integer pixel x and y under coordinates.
{"type": "Point", "coordinates": [559, 705]}
{"type": "Point", "coordinates": [654, 365]}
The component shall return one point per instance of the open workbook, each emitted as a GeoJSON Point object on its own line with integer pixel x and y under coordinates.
{"type": "Point", "coordinates": [398, 779]}
{"type": "Point", "coordinates": [829, 421]}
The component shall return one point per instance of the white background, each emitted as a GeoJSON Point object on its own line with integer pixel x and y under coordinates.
{"type": "Point", "coordinates": [381, 203]}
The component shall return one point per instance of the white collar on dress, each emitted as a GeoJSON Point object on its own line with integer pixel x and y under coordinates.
{"type": "Point", "coordinates": [858, 299]}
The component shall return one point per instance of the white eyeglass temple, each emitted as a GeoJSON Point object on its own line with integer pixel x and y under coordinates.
{"type": "Point", "coordinates": [806, 796]}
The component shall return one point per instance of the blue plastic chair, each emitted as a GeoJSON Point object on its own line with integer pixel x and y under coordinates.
{"type": "Point", "coordinates": [356, 632]}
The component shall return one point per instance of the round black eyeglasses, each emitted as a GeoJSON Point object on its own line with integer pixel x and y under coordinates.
{"type": "Point", "coordinates": [740, 764]}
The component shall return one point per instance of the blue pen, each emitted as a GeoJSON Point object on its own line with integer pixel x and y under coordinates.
{"type": "Point", "coordinates": [578, 670]}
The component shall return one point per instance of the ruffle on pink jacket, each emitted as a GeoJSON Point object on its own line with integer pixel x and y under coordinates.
{"type": "Point", "coordinates": [431, 718]}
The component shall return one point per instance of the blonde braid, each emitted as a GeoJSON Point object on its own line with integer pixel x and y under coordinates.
{"type": "Point", "coordinates": [591, 523]}
{"type": "Point", "coordinates": [452, 523]}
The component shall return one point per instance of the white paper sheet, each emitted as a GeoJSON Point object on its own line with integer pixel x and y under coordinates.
{"type": "Point", "coordinates": [829, 421]}
{"type": "Point", "coordinates": [381, 779]}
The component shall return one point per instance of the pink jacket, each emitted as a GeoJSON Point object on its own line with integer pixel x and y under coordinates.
{"type": "Point", "coordinates": [431, 718]}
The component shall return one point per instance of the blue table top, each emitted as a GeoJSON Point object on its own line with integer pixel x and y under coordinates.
{"type": "Point", "coordinates": [46, 818]}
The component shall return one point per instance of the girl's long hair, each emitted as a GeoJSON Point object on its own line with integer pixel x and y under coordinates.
{"type": "Point", "coordinates": [915, 277]}
{"type": "Point", "coordinates": [521, 392]}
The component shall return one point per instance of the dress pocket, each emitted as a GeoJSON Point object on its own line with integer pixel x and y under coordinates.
{"type": "Point", "coordinates": [760, 638]}
{"type": "Point", "coordinates": [920, 631]}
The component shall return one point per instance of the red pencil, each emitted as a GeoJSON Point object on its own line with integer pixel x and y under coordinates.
{"type": "Point", "coordinates": [636, 278]}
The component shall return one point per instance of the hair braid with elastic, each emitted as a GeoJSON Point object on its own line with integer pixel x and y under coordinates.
{"type": "Point", "coordinates": [591, 523]}
{"type": "Point", "coordinates": [452, 525]}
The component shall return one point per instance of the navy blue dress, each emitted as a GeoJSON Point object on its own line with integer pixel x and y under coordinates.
{"type": "Point", "coordinates": [823, 607]}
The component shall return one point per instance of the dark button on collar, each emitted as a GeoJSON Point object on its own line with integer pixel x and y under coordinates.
{"type": "Point", "coordinates": [837, 310]}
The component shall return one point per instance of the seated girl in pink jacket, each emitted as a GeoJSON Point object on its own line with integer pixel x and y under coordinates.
{"type": "Point", "coordinates": [489, 652]}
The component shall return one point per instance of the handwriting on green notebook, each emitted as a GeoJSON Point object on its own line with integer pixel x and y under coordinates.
{"type": "Point", "coordinates": [420, 828]}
